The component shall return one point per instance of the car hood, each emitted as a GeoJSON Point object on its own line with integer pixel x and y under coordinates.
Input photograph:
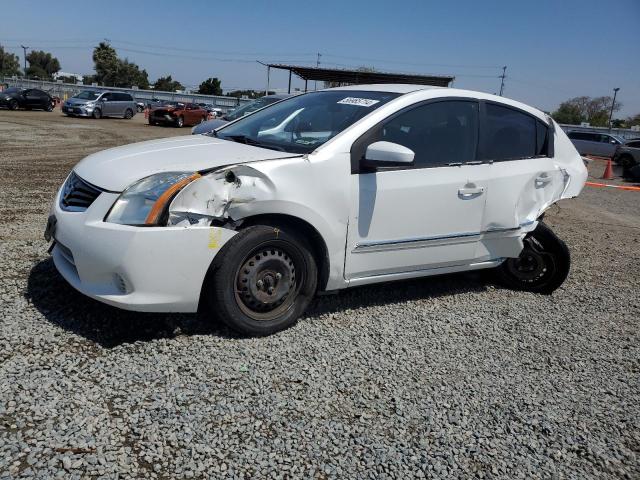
{"type": "Point", "coordinates": [78, 101]}
{"type": "Point", "coordinates": [117, 168]}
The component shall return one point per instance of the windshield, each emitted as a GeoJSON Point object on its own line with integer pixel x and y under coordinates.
{"type": "Point", "coordinates": [303, 123]}
{"type": "Point", "coordinates": [87, 95]}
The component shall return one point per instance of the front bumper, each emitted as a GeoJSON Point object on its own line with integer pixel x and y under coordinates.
{"type": "Point", "coordinates": [148, 269]}
{"type": "Point", "coordinates": [79, 111]}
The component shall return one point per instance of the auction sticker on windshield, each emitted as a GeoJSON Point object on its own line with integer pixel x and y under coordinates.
{"type": "Point", "coordinates": [360, 102]}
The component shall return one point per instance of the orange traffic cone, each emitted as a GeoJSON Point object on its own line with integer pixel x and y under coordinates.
{"type": "Point", "coordinates": [146, 112]}
{"type": "Point", "coordinates": [608, 171]}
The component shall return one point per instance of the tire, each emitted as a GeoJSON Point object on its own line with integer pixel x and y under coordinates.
{"type": "Point", "coordinates": [152, 122]}
{"type": "Point", "coordinates": [179, 122]}
{"type": "Point", "coordinates": [13, 104]}
{"type": "Point", "coordinates": [627, 162]}
{"type": "Point", "coordinates": [49, 108]}
{"type": "Point", "coordinates": [543, 264]}
{"type": "Point", "coordinates": [203, 119]}
{"type": "Point", "coordinates": [97, 113]}
{"type": "Point", "coordinates": [262, 280]}
{"type": "Point", "coordinates": [128, 114]}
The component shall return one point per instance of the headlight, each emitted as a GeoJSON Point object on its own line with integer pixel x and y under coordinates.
{"type": "Point", "coordinates": [145, 202]}
{"type": "Point", "coordinates": [89, 105]}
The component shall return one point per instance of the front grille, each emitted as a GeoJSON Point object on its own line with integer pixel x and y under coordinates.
{"type": "Point", "coordinates": [77, 195]}
{"type": "Point", "coordinates": [160, 113]}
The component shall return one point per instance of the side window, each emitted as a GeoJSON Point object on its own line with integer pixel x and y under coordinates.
{"type": "Point", "coordinates": [125, 97]}
{"type": "Point", "coordinates": [108, 97]}
{"type": "Point", "coordinates": [542, 135]}
{"type": "Point", "coordinates": [439, 133]}
{"type": "Point", "coordinates": [508, 134]}
{"type": "Point", "coordinates": [633, 144]}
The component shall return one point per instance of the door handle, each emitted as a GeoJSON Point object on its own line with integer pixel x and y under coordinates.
{"type": "Point", "coordinates": [543, 179]}
{"type": "Point", "coordinates": [467, 192]}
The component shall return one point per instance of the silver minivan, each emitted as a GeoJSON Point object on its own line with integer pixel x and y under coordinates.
{"type": "Point", "coordinates": [594, 143]}
{"type": "Point", "coordinates": [89, 103]}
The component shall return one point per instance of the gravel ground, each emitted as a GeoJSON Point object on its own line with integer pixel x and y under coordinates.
{"type": "Point", "coordinates": [449, 377]}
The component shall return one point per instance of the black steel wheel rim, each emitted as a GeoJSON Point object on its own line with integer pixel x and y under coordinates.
{"type": "Point", "coordinates": [268, 281]}
{"type": "Point", "coordinates": [534, 266]}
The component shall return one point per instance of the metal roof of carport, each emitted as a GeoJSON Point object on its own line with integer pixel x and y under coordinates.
{"type": "Point", "coordinates": [355, 77]}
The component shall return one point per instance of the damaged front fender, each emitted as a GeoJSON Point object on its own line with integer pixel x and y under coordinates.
{"type": "Point", "coordinates": [216, 195]}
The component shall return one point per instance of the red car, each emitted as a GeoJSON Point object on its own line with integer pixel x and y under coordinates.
{"type": "Point", "coordinates": [177, 114]}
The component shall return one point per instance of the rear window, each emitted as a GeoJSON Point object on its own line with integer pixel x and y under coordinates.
{"type": "Point", "coordinates": [509, 134]}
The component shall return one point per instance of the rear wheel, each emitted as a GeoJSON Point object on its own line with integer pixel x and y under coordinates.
{"type": "Point", "coordinates": [627, 161]}
{"type": "Point", "coordinates": [128, 114]}
{"type": "Point", "coordinates": [543, 264]}
{"type": "Point", "coordinates": [262, 280]}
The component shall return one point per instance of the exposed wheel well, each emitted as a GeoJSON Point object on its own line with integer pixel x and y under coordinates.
{"type": "Point", "coordinates": [320, 251]}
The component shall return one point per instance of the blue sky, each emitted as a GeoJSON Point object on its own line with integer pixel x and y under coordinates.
{"type": "Point", "coordinates": [553, 50]}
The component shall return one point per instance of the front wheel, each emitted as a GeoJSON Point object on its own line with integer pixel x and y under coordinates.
{"type": "Point", "coordinates": [262, 280]}
{"type": "Point", "coordinates": [179, 122]}
{"type": "Point", "coordinates": [97, 113]}
{"type": "Point", "coordinates": [13, 104]}
{"type": "Point", "coordinates": [128, 114]}
{"type": "Point", "coordinates": [543, 264]}
{"type": "Point", "coordinates": [49, 107]}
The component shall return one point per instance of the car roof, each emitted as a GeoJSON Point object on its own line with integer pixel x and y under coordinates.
{"type": "Point", "coordinates": [388, 87]}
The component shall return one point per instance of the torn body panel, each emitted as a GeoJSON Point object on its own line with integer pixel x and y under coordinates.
{"type": "Point", "coordinates": [283, 187]}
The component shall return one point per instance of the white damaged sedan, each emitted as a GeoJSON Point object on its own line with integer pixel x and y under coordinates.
{"type": "Point", "coordinates": [318, 192]}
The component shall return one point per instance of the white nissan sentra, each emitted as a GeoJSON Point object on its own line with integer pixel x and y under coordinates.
{"type": "Point", "coordinates": [319, 192]}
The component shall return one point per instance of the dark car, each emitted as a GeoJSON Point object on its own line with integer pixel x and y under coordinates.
{"type": "Point", "coordinates": [29, 98]}
{"type": "Point", "coordinates": [177, 114]}
{"type": "Point", "coordinates": [239, 112]}
{"type": "Point", "coordinates": [628, 155]}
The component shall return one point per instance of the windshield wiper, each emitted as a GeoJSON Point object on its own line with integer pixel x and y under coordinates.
{"type": "Point", "coordinates": [250, 141]}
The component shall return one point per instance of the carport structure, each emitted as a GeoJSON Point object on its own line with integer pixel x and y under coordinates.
{"type": "Point", "coordinates": [355, 77]}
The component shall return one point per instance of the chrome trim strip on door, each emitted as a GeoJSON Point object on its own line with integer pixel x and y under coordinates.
{"type": "Point", "coordinates": [421, 242]}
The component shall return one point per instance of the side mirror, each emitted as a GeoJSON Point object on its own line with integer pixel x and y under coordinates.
{"type": "Point", "coordinates": [388, 154]}
{"type": "Point", "coordinates": [103, 99]}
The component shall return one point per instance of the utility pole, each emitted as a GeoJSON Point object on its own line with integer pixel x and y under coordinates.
{"type": "Point", "coordinates": [504, 70]}
{"type": "Point", "coordinates": [315, 84]}
{"type": "Point", "coordinates": [613, 104]}
{"type": "Point", "coordinates": [24, 49]}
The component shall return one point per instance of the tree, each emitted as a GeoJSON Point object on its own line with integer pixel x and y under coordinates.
{"type": "Point", "coordinates": [42, 65]}
{"type": "Point", "coordinates": [115, 72]}
{"type": "Point", "coordinates": [9, 63]}
{"type": "Point", "coordinates": [247, 93]}
{"type": "Point", "coordinates": [596, 111]}
{"type": "Point", "coordinates": [211, 86]}
{"type": "Point", "coordinates": [167, 84]}
{"type": "Point", "coordinates": [632, 121]}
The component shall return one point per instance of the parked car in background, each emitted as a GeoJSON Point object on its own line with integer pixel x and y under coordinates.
{"type": "Point", "coordinates": [89, 103]}
{"type": "Point", "coordinates": [27, 98]}
{"type": "Point", "coordinates": [593, 143]}
{"type": "Point", "coordinates": [239, 112]}
{"type": "Point", "coordinates": [628, 155]}
{"type": "Point", "coordinates": [322, 191]}
{"type": "Point", "coordinates": [177, 114]}
{"type": "Point", "coordinates": [140, 106]}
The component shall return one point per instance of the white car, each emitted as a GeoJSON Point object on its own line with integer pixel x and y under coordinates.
{"type": "Point", "coordinates": [323, 191]}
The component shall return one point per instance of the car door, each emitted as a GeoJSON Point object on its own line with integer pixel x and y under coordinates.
{"type": "Point", "coordinates": [524, 179]}
{"type": "Point", "coordinates": [423, 216]}
{"type": "Point", "coordinates": [107, 104]}
{"type": "Point", "coordinates": [31, 98]}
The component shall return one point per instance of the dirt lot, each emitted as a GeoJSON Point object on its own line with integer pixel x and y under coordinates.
{"type": "Point", "coordinates": [442, 377]}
